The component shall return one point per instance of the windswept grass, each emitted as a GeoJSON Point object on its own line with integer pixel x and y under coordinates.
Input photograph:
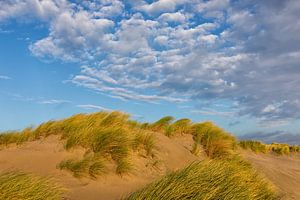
{"type": "Point", "coordinates": [19, 185]}
{"type": "Point", "coordinates": [144, 140]}
{"type": "Point", "coordinates": [124, 166]}
{"type": "Point", "coordinates": [112, 135]}
{"type": "Point", "coordinates": [276, 148]}
{"type": "Point", "coordinates": [161, 124]}
{"type": "Point", "coordinates": [215, 141]}
{"type": "Point", "coordinates": [179, 127]}
{"type": "Point", "coordinates": [256, 146]}
{"type": "Point", "coordinates": [89, 165]}
{"type": "Point", "coordinates": [9, 137]}
{"type": "Point", "coordinates": [211, 179]}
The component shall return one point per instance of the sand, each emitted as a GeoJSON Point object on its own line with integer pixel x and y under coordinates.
{"type": "Point", "coordinates": [282, 171]}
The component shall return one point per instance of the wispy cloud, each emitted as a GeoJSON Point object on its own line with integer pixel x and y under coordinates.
{"type": "Point", "coordinates": [5, 77]}
{"type": "Point", "coordinates": [93, 107]}
{"type": "Point", "coordinates": [234, 123]}
{"type": "Point", "coordinates": [92, 81]}
{"type": "Point", "coordinates": [212, 112]}
{"type": "Point", "coordinates": [54, 101]}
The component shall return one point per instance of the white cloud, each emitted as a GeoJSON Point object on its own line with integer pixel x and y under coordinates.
{"type": "Point", "coordinates": [106, 8]}
{"type": "Point", "coordinates": [73, 36]}
{"type": "Point", "coordinates": [172, 17]}
{"type": "Point", "coordinates": [120, 92]}
{"type": "Point", "coordinates": [162, 40]}
{"type": "Point", "coordinates": [210, 39]}
{"type": "Point", "coordinates": [160, 6]}
{"type": "Point", "coordinates": [270, 109]}
{"type": "Point", "coordinates": [44, 10]}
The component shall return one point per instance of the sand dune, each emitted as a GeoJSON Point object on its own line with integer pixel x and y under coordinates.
{"type": "Point", "coordinates": [41, 157]}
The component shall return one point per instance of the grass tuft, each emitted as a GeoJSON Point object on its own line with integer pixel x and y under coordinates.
{"type": "Point", "coordinates": [145, 140]}
{"type": "Point", "coordinates": [215, 141]}
{"type": "Point", "coordinates": [161, 124]}
{"type": "Point", "coordinates": [77, 167]}
{"type": "Point", "coordinates": [87, 166]}
{"type": "Point", "coordinates": [214, 179]}
{"type": "Point", "coordinates": [18, 185]}
{"type": "Point", "coordinates": [123, 167]}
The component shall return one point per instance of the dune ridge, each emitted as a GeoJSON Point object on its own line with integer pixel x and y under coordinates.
{"type": "Point", "coordinates": [84, 154]}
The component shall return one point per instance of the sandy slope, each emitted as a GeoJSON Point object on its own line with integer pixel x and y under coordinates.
{"type": "Point", "coordinates": [41, 157]}
{"type": "Point", "coordinates": [283, 171]}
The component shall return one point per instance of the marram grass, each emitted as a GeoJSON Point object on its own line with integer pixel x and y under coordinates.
{"type": "Point", "coordinates": [89, 165]}
{"type": "Point", "coordinates": [231, 178]}
{"type": "Point", "coordinates": [112, 137]}
{"type": "Point", "coordinates": [109, 135]}
{"type": "Point", "coordinates": [215, 141]}
{"type": "Point", "coordinates": [21, 186]}
{"type": "Point", "coordinates": [276, 148]}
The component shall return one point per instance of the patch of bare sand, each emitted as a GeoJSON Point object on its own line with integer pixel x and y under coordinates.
{"type": "Point", "coordinates": [41, 157]}
{"type": "Point", "coordinates": [283, 171]}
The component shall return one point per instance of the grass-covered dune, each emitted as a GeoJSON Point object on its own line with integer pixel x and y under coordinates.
{"type": "Point", "coordinates": [111, 138]}
{"type": "Point", "coordinates": [105, 137]}
{"type": "Point", "coordinates": [231, 178]}
{"type": "Point", "coordinates": [21, 186]}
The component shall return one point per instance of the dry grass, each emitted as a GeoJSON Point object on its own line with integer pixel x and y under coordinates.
{"type": "Point", "coordinates": [161, 124]}
{"type": "Point", "coordinates": [89, 165]}
{"type": "Point", "coordinates": [211, 179]}
{"type": "Point", "coordinates": [256, 146]}
{"type": "Point", "coordinates": [111, 135]}
{"type": "Point", "coordinates": [215, 141]}
{"type": "Point", "coordinates": [276, 148]}
{"type": "Point", "coordinates": [22, 186]}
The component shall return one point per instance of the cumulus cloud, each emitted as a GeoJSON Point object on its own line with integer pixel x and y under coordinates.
{"type": "Point", "coordinates": [243, 52]}
{"type": "Point", "coordinates": [172, 17]}
{"type": "Point", "coordinates": [44, 10]}
{"type": "Point", "coordinates": [159, 6]}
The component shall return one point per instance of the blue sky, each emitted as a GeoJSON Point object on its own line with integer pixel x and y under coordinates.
{"type": "Point", "coordinates": [232, 62]}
